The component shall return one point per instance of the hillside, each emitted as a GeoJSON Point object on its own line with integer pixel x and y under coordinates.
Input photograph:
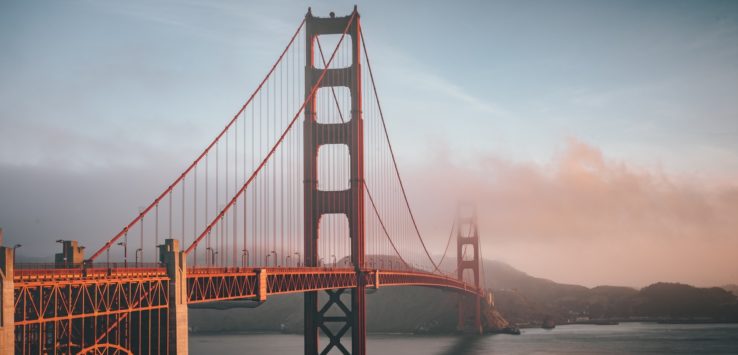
{"type": "Point", "coordinates": [524, 299]}
{"type": "Point", "coordinates": [731, 288]}
{"type": "Point", "coordinates": [674, 300]}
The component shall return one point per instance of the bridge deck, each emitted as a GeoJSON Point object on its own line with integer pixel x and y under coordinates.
{"type": "Point", "coordinates": [219, 284]}
{"type": "Point", "coordinates": [99, 299]}
{"type": "Point", "coordinates": [42, 284]}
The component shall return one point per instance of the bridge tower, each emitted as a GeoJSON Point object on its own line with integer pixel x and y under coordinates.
{"type": "Point", "coordinates": [349, 202]}
{"type": "Point", "coordinates": [467, 234]}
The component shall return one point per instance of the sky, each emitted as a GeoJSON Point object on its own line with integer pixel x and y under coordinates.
{"type": "Point", "coordinates": [597, 137]}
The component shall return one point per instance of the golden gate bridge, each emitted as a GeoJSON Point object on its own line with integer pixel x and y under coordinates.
{"type": "Point", "coordinates": [299, 193]}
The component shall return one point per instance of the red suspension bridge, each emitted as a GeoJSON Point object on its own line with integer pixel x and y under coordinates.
{"type": "Point", "coordinates": [299, 193]}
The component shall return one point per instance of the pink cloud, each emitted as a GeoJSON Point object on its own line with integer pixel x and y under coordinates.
{"type": "Point", "coordinates": [581, 203]}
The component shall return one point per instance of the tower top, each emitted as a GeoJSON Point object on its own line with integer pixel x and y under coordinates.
{"type": "Point", "coordinates": [332, 14]}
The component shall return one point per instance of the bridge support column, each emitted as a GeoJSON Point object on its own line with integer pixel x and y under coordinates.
{"type": "Point", "coordinates": [349, 202]}
{"type": "Point", "coordinates": [467, 234]}
{"type": "Point", "coordinates": [7, 304]}
{"type": "Point", "coordinates": [72, 254]}
{"type": "Point", "coordinates": [176, 263]}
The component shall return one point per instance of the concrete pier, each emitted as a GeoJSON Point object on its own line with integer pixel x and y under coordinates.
{"type": "Point", "coordinates": [176, 263]}
{"type": "Point", "coordinates": [72, 254]}
{"type": "Point", "coordinates": [7, 304]}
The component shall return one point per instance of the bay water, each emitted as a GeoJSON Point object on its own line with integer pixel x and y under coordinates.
{"type": "Point", "coordinates": [624, 338]}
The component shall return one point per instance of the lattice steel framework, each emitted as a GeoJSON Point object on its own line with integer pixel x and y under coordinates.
{"type": "Point", "coordinates": [113, 311]}
{"type": "Point", "coordinates": [223, 284]}
{"type": "Point", "coordinates": [93, 311]}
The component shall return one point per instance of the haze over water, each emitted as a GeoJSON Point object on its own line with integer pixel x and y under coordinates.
{"type": "Point", "coordinates": [625, 338]}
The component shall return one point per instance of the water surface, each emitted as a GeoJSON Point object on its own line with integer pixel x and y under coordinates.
{"type": "Point", "coordinates": [625, 338]}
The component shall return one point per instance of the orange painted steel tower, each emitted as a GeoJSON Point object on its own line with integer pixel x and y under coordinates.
{"type": "Point", "coordinates": [349, 202]}
{"type": "Point", "coordinates": [468, 223]}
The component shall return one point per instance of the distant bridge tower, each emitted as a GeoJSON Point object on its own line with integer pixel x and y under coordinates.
{"type": "Point", "coordinates": [467, 234]}
{"type": "Point", "coordinates": [349, 202]}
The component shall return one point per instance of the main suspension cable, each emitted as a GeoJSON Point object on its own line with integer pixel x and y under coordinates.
{"type": "Point", "coordinates": [392, 154]}
{"type": "Point", "coordinates": [204, 153]}
{"type": "Point", "coordinates": [276, 144]}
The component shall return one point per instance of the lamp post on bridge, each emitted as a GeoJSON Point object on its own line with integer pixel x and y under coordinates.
{"type": "Point", "coordinates": [15, 248]}
{"type": "Point", "coordinates": [287, 260]}
{"type": "Point", "coordinates": [125, 253]}
{"type": "Point", "coordinates": [298, 258]}
{"type": "Point", "coordinates": [244, 257]}
{"type": "Point", "coordinates": [61, 241]}
{"type": "Point", "coordinates": [212, 256]}
{"type": "Point", "coordinates": [275, 257]}
{"type": "Point", "coordinates": [334, 260]}
{"type": "Point", "coordinates": [139, 250]}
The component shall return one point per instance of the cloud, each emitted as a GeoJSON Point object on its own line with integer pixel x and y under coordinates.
{"type": "Point", "coordinates": [581, 194]}
{"type": "Point", "coordinates": [540, 216]}
{"type": "Point", "coordinates": [580, 217]}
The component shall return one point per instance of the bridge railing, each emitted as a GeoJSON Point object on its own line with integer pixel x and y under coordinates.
{"type": "Point", "coordinates": [210, 270]}
{"type": "Point", "coordinates": [26, 272]}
